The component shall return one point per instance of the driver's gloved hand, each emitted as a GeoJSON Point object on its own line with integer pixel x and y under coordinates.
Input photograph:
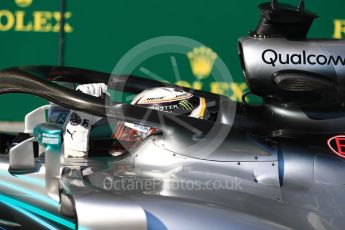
{"type": "Point", "coordinates": [94, 89]}
{"type": "Point", "coordinates": [77, 130]}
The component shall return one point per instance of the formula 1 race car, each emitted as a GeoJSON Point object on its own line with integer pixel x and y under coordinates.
{"type": "Point", "coordinates": [278, 165]}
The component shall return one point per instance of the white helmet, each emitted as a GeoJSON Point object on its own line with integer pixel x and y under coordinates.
{"type": "Point", "coordinates": [164, 99]}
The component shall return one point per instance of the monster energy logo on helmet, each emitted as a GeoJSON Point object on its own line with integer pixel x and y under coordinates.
{"type": "Point", "coordinates": [186, 105]}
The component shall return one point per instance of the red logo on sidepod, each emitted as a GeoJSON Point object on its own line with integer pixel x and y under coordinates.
{"type": "Point", "coordinates": [337, 145]}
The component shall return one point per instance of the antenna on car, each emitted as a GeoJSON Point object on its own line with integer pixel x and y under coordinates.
{"type": "Point", "coordinates": [274, 3]}
{"type": "Point", "coordinates": [300, 7]}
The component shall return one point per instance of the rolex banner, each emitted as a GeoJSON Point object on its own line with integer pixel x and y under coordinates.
{"type": "Point", "coordinates": [189, 43]}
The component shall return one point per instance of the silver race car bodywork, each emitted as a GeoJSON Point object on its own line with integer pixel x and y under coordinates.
{"type": "Point", "coordinates": [261, 167]}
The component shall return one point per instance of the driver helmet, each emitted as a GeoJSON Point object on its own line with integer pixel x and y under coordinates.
{"type": "Point", "coordinates": [165, 99]}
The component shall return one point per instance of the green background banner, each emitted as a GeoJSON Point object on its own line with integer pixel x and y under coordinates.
{"type": "Point", "coordinates": [99, 33]}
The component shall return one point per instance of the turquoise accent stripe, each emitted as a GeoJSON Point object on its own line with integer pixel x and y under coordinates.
{"type": "Point", "coordinates": [25, 178]}
{"type": "Point", "coordinates": [37, 211]}
{"type": "Point", "coordinates": [29, 214]}
{"type": "Point", "coordinates": [34, 195]}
